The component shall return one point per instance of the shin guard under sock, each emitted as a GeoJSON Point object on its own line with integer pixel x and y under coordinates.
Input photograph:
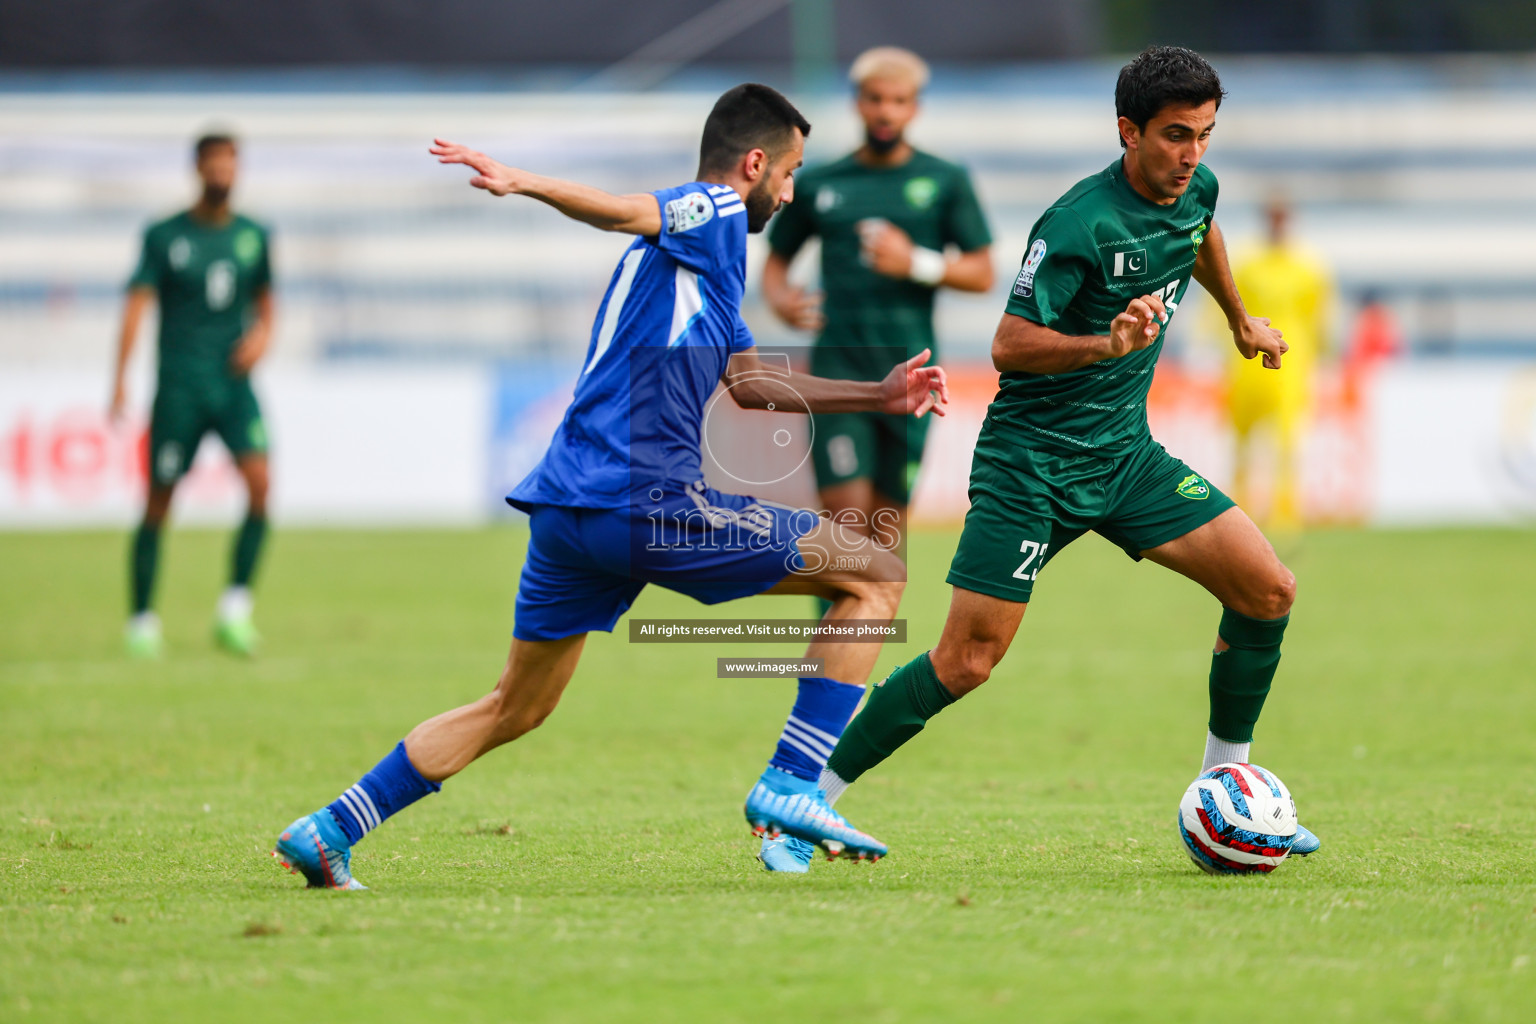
{"type": "Point", "coordinates": [896, 710]}
{"type": "Point", "coordinates": [1240, 675]}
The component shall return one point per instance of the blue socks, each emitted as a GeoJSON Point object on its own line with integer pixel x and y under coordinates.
{"type": "Point", "coordinates": [392, 786]}
{"type": "Point", "coordinates": [820, 714]}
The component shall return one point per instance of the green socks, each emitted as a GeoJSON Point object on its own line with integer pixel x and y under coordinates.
{"type": "Point", "coordinates": [143, 559]}
{"type": "Point", "coordinates": [896, 710]}
{"type": "Point", "coordinates": [247, 550]}
{"type": "Point", "coordinates": [1240, 675]}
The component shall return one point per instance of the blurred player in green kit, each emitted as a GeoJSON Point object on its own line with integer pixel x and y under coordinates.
{"type": "Point", "coordinates": [208, 269]}
{"type": "Point", "coordinates": [896, 224]}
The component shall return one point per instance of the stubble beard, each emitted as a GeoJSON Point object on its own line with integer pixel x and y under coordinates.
{"type": "Point", "coordinates": [761, 205]}
{"type": "Point", "coordinates": [882, 147]}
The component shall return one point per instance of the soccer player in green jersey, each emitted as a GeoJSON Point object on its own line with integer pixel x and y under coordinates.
{"type": "Point", "coordinates": [886, 214]}
{"type": "Point", "coordinates": [1065, 447]}
{"type": "Point", "coordinates": [209, 270]}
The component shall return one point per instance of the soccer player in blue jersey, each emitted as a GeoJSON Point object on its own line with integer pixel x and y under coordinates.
{"type": "Point", "coordinates": [618, 500]}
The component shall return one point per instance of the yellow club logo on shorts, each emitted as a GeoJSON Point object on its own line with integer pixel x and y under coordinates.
{"type": "Point", "coordinates": [1194, 487]}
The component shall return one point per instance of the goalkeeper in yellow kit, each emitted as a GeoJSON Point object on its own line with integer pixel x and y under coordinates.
{"type": "Point", "coordinates": [1294, 287]}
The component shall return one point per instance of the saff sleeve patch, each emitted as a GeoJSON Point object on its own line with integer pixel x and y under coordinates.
{"type": "Point", "coordinates": [688, 212]}
{"type": "Point", "coordinates": [1024, 284]}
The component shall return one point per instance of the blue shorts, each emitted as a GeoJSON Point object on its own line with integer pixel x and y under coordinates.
{"type": "Point", "coordinates": [586, 566]}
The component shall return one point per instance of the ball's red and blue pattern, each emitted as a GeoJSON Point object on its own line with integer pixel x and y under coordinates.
{"type": "Point", "coordinates": [1237, 819]}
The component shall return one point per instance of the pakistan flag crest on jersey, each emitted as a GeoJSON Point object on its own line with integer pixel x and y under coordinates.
{"type": "Point", "coordinates": [248, 246]}
{"type": "Point", "coordinates": [920, 192]}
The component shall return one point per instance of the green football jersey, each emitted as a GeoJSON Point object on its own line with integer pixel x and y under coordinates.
{"type": "Point", "coordinates": [206, 278]}
{"type": "Point", "coordinates": [1096, 248]}
{"type": "Point", "coordinates": [930, 199]}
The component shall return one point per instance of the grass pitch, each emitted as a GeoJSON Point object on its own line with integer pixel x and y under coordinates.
{"type": "Point", "coordinates": [600, 869]}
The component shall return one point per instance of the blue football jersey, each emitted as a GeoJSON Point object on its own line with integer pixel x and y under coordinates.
{"type": "Point", "coordinates": [668, 325]}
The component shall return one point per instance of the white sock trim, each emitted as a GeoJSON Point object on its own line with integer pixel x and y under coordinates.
{"type": "Point", "coordinates": [360, 805]}
{"type": "Point", "coordinates": [1220, 751]}
{"type": "Point", "coordinates": [236, 603]}
{"type": "Point", "coordinates": [831, 784]}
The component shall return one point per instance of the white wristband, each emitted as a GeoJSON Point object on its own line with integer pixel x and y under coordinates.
{"type": "Point", "coordinates": [927, 266]}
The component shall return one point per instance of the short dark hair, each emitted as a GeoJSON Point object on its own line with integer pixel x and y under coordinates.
{"type": "Point", "coordinates": [212, 140]}
{"type": "Point", "coordinates": [748, 117]}
{"type": "Point", "coordinates": [1160, 75]}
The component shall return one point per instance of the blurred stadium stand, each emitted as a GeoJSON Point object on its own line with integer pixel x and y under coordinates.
{"type": "Point", "coordinates": [455, 33]}
{"type": "Point", "coordinates": [1412, 179]}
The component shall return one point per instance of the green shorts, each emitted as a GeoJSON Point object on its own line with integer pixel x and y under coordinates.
{"type": "Point", "coordinates": [886, 450]}
{"type": "Point", "coordinates": [182, 414]}
{"type": "Point", "coordinates": [1027, 505]}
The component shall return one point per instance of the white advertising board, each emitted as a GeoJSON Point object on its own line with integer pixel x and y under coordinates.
{"type": "Point", "coordinates": [1449, 443]}
{"type": "Point", "coordinates": [348, 447]}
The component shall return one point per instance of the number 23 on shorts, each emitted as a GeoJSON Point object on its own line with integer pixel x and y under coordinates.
{"type": "Point", "coordinates": [1034, 558]}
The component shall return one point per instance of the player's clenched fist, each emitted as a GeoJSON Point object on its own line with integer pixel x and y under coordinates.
{"type": "Point", "coordinates": [1137, 327]}
{"type": "Point", "coordinates": [496, 178]}
{"type": "Point", "coordinates": [1254, 335]}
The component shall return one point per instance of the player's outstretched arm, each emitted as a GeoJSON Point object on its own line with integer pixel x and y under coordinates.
{"type": "Point", "coordinates": [1022, 345]}
{"type": "Point", "coordinates": [637, 214]}
{"type": "Point", "coordinates": [133, 313]}
{"type": "Point", "coordinates": [911, 388]}
{"type": "Point", "coordinates": [1251, 334]}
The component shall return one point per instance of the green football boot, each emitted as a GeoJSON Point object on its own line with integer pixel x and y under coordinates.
{"type": "Point", "coordinates": [142, 638]}
{"type": "Point", "coordinates": [238, 636]}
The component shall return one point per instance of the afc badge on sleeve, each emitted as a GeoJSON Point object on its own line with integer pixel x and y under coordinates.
{"type": "Point", "coordinates": [688, 212]}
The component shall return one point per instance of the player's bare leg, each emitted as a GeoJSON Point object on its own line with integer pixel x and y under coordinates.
{"type": "Point", "coordinates": [977, 633]}
{"type": "Point", "coordinates": [848, 504]}
{"type": "Point", "coordinates": [530, 686]}
{"type": "Point", "coordinates": [859, 580]}
{"type": "Point", "coordinates": [1231, 558]}
{"type": "Point", "coordinates": [256, 473]}
{"type": "Point", "coordinates": [233, 626]}
{"type": "Point", "coordinates": [142, 635]}
{"type": "Point", "coordinates": [319, 845]}
{"type": "Point", "coordinates": [888, 523]}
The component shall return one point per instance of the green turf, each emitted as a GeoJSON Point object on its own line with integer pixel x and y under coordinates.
{"type": "Point", "coordinates": [600, 869]}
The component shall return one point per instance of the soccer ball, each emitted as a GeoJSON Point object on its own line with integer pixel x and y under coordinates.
{"type": "Point", "coordinates": [1236, 819]}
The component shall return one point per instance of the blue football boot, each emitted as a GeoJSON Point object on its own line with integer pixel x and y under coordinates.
{"type": "Point", "coordinates": [317, 848]}
{"type": "Point", "coordinates": [786, 855]}
{"type": "Point", "coordinates": [1305, 842]}
{"type": "Point", "coordinates": [781, 803]}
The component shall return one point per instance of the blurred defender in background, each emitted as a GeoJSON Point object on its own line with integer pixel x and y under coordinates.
{"type": "Point", "coordinates": [1295, 288]}
{"type": "Point", "coordinates": [886, 214]}
{"type": "Point", "coordinates": [209, 270]}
